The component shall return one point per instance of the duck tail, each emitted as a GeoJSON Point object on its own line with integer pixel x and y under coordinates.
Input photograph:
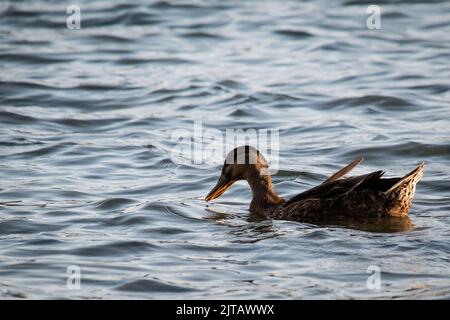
{"type": "Point", "coordinates": [411, 178]}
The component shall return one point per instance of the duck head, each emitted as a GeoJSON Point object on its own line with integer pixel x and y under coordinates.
{"type": "Point", "coordinates": [243, 163]}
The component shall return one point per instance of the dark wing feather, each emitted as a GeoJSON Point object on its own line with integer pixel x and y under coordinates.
{"type": "Point", "coordinates": [338, 187]}
{"type": "Point", "coordinates": [344, 170]}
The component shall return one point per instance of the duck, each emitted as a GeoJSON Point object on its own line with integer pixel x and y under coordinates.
{"type": "Point", "coordinates": [337, 198]}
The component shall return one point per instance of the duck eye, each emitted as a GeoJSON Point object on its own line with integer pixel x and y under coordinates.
{"type": "Point", "coordinates": [229, 171]}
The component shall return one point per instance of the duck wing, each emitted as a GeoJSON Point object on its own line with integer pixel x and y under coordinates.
{"type": "Point", "coordinates": [340, 187]}
{"type": "Point", "coordinates": [342, 172]}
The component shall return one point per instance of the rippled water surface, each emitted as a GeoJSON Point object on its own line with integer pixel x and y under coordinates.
{"type": "Point", "coordinates": [87, 177]}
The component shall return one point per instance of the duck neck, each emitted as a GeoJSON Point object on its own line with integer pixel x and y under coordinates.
{"type": "Point", "coordinates": [264, 196]}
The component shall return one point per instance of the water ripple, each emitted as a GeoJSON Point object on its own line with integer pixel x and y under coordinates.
{"type": "Point", "coordinates": [87, 119]}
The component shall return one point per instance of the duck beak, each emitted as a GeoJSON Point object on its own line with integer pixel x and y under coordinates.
{"type": "Point", "coordinates": [222, 185]}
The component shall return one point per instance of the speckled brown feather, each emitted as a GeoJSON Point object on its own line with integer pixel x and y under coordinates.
{"type": "Point", "coordinates": [355, 197]}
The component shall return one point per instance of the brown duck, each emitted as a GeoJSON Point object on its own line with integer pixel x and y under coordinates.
{"type": "Point", "coordinates": [364, 196]}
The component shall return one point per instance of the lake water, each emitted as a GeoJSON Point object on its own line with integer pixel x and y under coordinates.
{"type": "Point", "coordinates": [88, 181]}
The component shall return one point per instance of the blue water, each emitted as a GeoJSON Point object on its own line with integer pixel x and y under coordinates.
{"type": "Point", "coordinates": [86, 124]}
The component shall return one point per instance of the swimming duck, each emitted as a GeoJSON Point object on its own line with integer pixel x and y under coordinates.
{"type": "Point", "coordinates": [364, 196]}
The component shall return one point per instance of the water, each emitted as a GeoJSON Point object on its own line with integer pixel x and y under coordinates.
{"type": "Point", "coordinates": [87, 177]}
